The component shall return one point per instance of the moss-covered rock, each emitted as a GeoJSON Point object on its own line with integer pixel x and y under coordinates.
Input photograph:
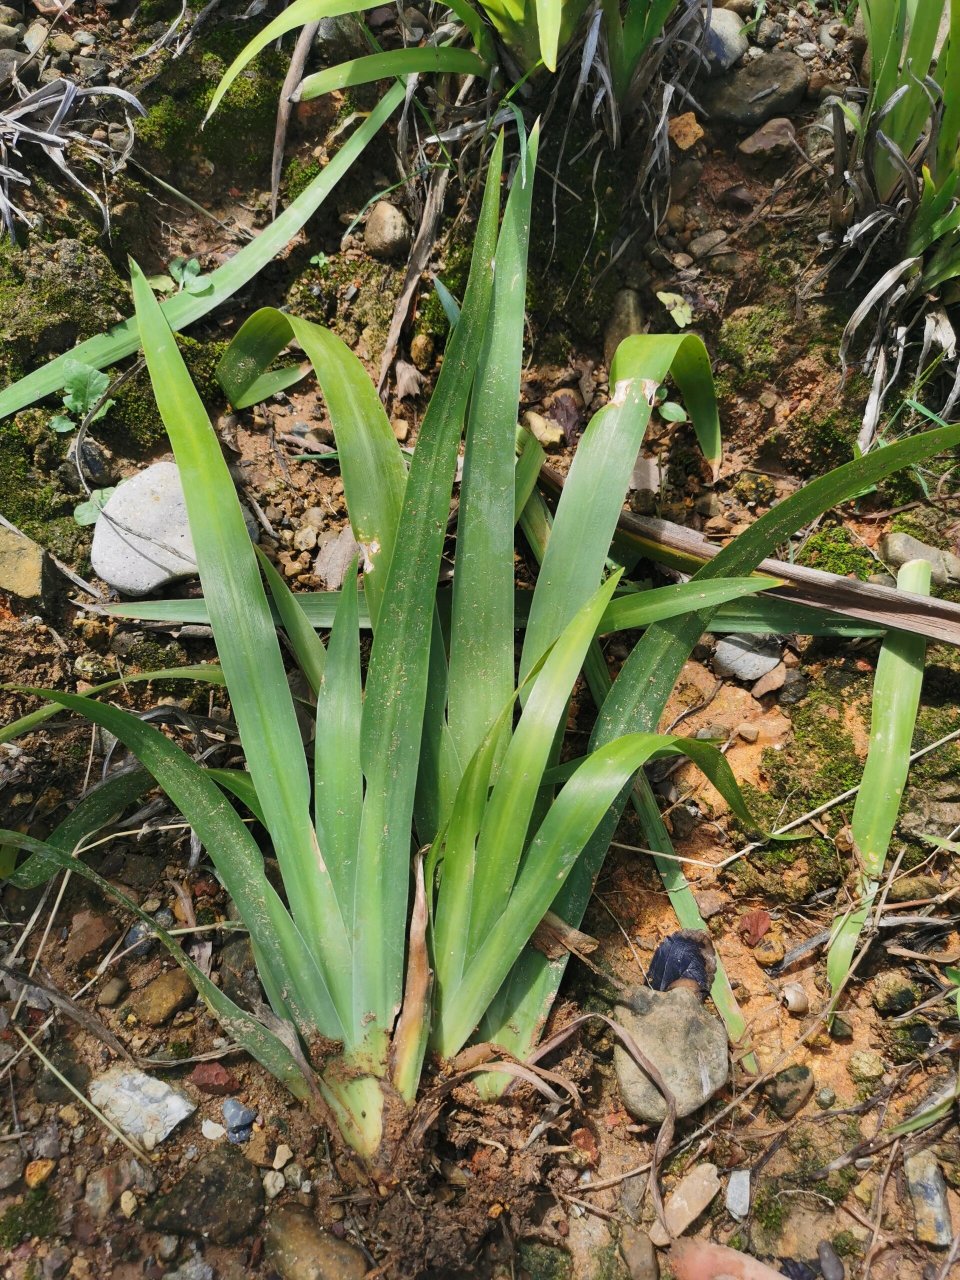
{"type": "Point", "coordinates": [834, 550]}
{"type": "Point", "coordinates": [544, 1261]}
{"type": "Point", "coordinates": [52, 296]}
{"type": "Point", "coordinates": [31, 496]}
{"type": "Point", "coordinates": [238, 140]}
{"type": "Point", "coordinates": [354, 296]}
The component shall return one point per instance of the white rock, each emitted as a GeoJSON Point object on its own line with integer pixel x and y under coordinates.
{"type": "Point", "coordinates": [725, 42]}
{"type": "Point", "coordinates": [210, 1129]}
{"type": "Point", "coordinates": [142, 541]}
{"type": "Point", "coordinates": [283, 1156]}
{"type": "Point", "coordinates": [745, 657]}
{"type": "Point", "coordinates": [131, 1099]}
{"type": "Point", "coordinates": [738, 1194]}
{"type": "Point", "coordinates": [273, 1183]}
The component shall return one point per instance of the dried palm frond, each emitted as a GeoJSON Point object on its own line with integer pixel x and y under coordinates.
{"type": "Point", "coordinates": [51, 119]}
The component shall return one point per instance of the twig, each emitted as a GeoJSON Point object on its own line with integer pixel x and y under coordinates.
{"type": "Point", "coordinates": [117, 1133]}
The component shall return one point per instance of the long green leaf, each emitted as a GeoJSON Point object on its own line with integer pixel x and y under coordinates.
{"type": "Point", "coordinates": [896, 697]}
{"type": "Point", "coordinates": [295, 15]}
{"type": "Point", "coordinates": [247, 645]}
{"type": "Point", "coordinates": [373, 467]}
{"type": "Point", "coordinates": [549, 16]}
{"type": "Point", "coordinates": [650, 672]}
{"type": "Point", "coordinates": [396, 687]}
{"type": "Point", "coordinates": [593, 494]}
{"type": "Point", "coordinates": [503, 834]}
{"type": "Point", "coordinates": [338, 788]}
{"type": "Point", "coordinates": [233, 852]}
{"type": "Point", "coordinates": [642, 608]}
{"type": "Point", "coordinates": [554, 850]}
{"type": "Point", "coordinates": [482, 625]}
{"type": "Point", "coordinates": [393, 62]}
{"type": "Point", "coordinates": [306, 644]}
{"type": "Point", "coordinates": [98, 808]}
{"type": "Point", "coordinates": [240, 785]}
{"type": "Point", "coordinates": [208, 673]}
{"type": "Point", "coordinates": [184, 308]}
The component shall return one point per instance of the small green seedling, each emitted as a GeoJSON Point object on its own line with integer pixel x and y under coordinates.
{"type": "Point", "coordinates": [182, 276]}
{"type": "Point", "coordinates": [83, 387]}
{"type": "Point", "coordinates": [681, 312]}
{"type": "Point", "coordinates": [88, 512]}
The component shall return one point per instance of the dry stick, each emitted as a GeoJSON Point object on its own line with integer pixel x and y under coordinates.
{"type": "Point", "coordinates": [950, 1259]}
{"type": "Point", "coordinates": [298, 60]}
{"type": "Point", "coordinates": [118, 1133]}
{"type": "Point", "coordinates": [875, 1239]}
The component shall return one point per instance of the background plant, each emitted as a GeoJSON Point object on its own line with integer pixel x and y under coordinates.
{"type": "Point", "coordinates": [894, 186]}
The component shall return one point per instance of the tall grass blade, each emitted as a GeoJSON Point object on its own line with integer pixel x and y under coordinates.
{"type": "Point", "coordinates": [393, 62]}
{"type": "Point", "coordinates": [338, 777]}
{"type": "Point", "coordinates": [554, 850]}
{"type": "Point", "coordinates": [98, 808]}
{"type": "Point", "coordinates": [397, 676]}
{"type": "Point", "coordinates": [592, 499]}
{"type": "Point", "coordinates": [481, 675]}
{"type": "Point", "coordinates": [295, 15]}
{"type": "Point", "coordinates": [371, 463]}
{"type": "Point", "coordinates": [306, 644]}
{"type": "Point", "coordinates": [207, 672]}
{"type": "Point", "coordinates": [247, 645]}
{"type": "Point", "coordinates": [286, 959]}
{"type": "Point", "coordinates": [896, 697]}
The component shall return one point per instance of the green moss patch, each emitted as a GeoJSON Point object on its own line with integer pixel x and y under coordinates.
{"type": "Point", "coordinates": [32, 1217]}
{"type": "Point", "coordinates": [750, 341]}
{"type": "Point", "coordinates": [238, 140]}
{"type": "Point", "coordinates": [52, 296]}
{"type": "Point", "coordinates": [133, 425]}
{"type": "Point", "coordinates": [834, 550]}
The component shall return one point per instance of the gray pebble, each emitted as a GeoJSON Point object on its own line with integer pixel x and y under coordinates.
{"type": "Point", "coordinates": [830, 1265]}
{"type": "Point", "coordinates": [239, 1120]}
{"type": "Point", "coordinates": [745, 657]}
